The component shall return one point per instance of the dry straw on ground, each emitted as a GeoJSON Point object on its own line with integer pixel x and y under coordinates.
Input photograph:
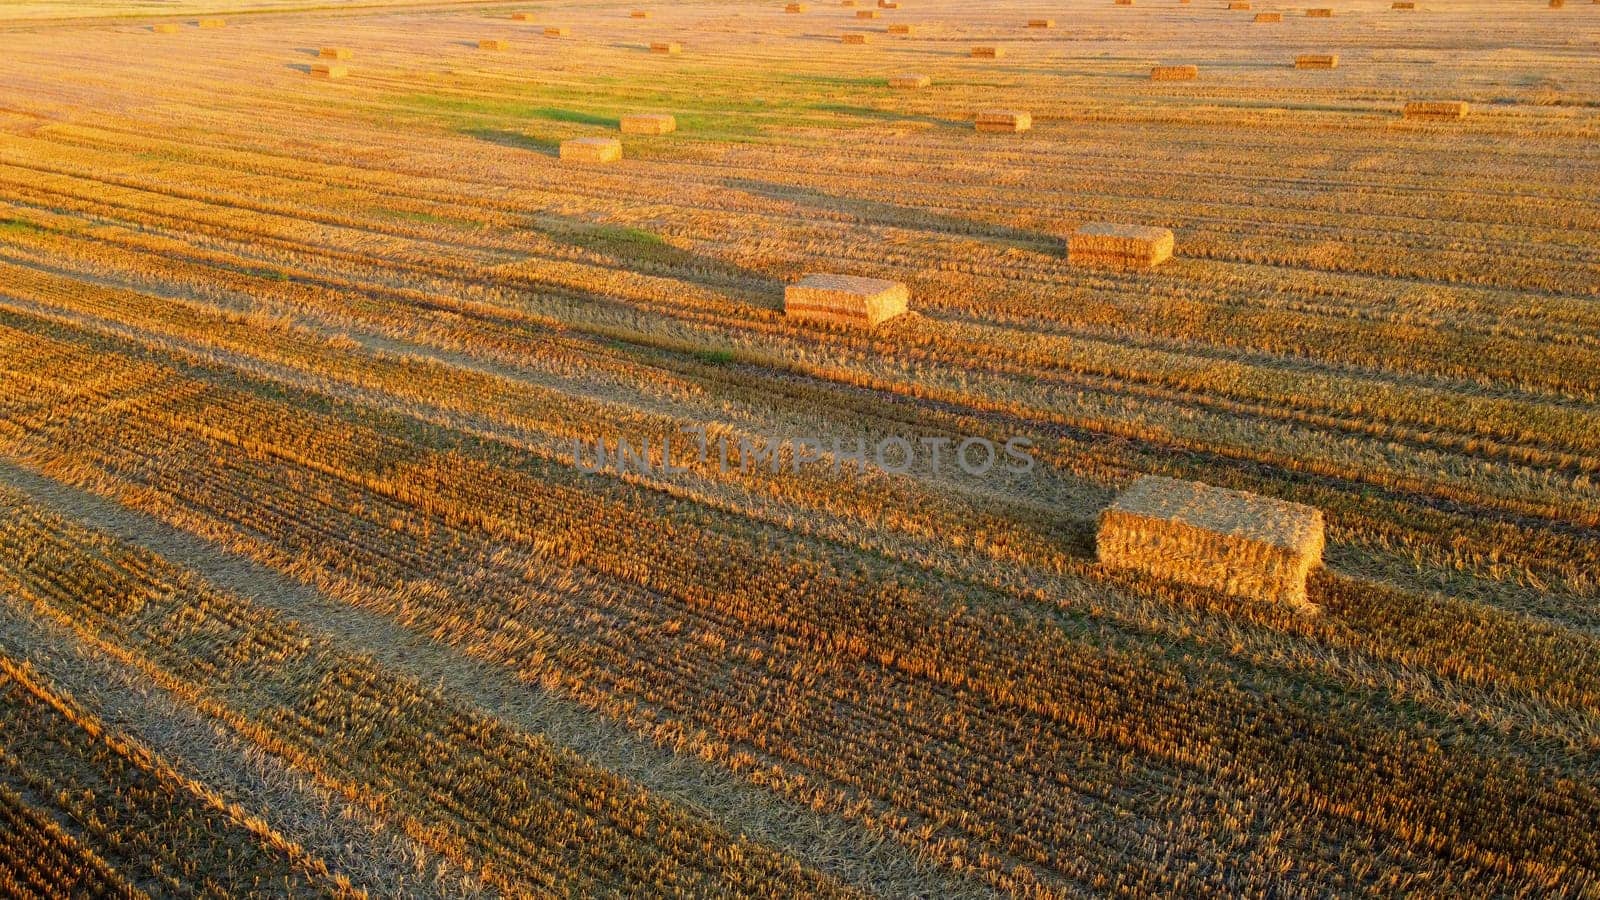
{"type": "Point", "coordinates": [591, 149]}
{"type": "Point", "coordinates": [1003, 120]}
{"type": "Point", "coordinates": [845, 299]}
{"type": "Point", "coordinates": [493, 44]}
{"type": "Point", "coordinates": [1317, 61]}
{"type": "Point", "coordinates": [165, 28]}
{"type": "Point", "coordinates": [909, 81]}
{"type": "Point", "coordinates": [1435, 109]}
{"type": "Point", "coordinates": [334, 52]}
{"type": "Point", "coordinates": [1320, 12]}
{"type": "Point", "coordinates": [328, 70]}
{"type": "Point", "coordinates": [988, 52]}
{"type": "Point", "coordinates": [1269, 17]}
{"type": "Point", "coordinates": [1174, 73]}
{"type": "Point", "coordinates": [1112, 245]}
{"type": "Point", "coordinates": [1238, 543]}
{"type": "Point", "coordinates": [649, 123]}
{"type": "Point", "coordinates": [1041, 23]}
{"type": "Point", "coordinates": [854, 37]}
{"type": "Point", "coordinates": [671, 48]}
{"type": "Point", "coordinates": [212, 23]}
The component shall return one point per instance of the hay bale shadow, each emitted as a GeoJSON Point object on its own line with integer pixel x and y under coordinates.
{"type": "Point", "coordinates": [302, 68]}
{"type": "Point", "coordinates": [888, 115]}
{"type": "Point", "coordinates": [516, 140]}
{"type": "Point", "coordinates": [878, 212]}
{"type": "Point", "coordinates": [573, 116]}
{"type": "Point", "coordinates": [638, 249]}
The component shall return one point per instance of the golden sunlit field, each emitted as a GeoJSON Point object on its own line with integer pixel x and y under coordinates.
{"type": "Point", "coordinates": [311, 582]}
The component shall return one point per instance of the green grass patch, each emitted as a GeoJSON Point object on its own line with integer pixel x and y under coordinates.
{"type": "Point", "coordinates": [735, 115]}
{"type": "Point", "coordinates": [19, 226]}
{"type": "Point", "coordinates": [633, 244]}
{"type": "Point", "coordinates": [517, 139]}
{"type": "Point", "coordinates": [715, 357]}
{"type": "Point", "coordinates": [406, 215]}
{"type": "Point", "coordinates": [263, 272]}
{"type": "Point", "coordinates": [556, 114]}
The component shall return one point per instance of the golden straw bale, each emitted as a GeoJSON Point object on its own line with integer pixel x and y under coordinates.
{"type": "Point", "coordinates": [1317, 61]}
{"type": "Point", "coordinates": [888, 4]}
{"type": "Point", "coordinates": [902, 28]}
{"type": "Point", "coordinates": [592, 149]}
{"type": "Point", "coordinates": [556, 31]}
{"type": "Point", "coordinates": [909, 81]}
{"type": "Point", "coordinates": [1111, 245]}
{"type": "Point", "coordinates": [1319, 13]}
{"type": "Point", "coordinates": [1239, 4]}
{"type": "Point", "coordinates": [847, 2]}
{"type": "Point", "coordinates": [212, 23]}
{"type": "Point", "coordinates": [1269, 17]}
{"type": "Point", "coordinates": [1003, 120]}
{"type": "Point", "coordinates": [1123, 2]}
{"type": "Point", "coordinates": [795, 8]}
{"type": "Point", "coordinates": [639, 14]}
{"type": "Point", "coordinates": [166, 28]}
{"type": "Point", "coordinates": [988, 52]}
{"type": "Point", "coordinates": [1557, 4]}
{"type": "Point", "coordinates": [522, 17]}
{"type": "Point", "coordinates": [1435, 109]}
{"type": "Point", "coordinates": [854, 37]}
{"type": "Point", "coordinates": [1242, 544]}
{"type": "Point", "coordinates": [867, 14]}
{"type": "Point", "coordinates": [493, 44]}
{"type": "Point", "coordinates": [649, 123]}
{"type": "Point", "coordinates": [1041, 23]}
{"type": "Point", "coordinates": [334, 52]}
{"type": "Point", "coordinates": [1174, 73]}
{"type": "Point", "coordinates": [845, 299]}
{"type": "Point", "coordinates": [668, 47]}
{"type": "Point", "coordinates": [328, 70]}
{"type": "Point", "coordinates": [1402, 4]}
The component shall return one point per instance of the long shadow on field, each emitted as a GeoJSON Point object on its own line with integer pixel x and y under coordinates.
{"type": "Point", "coordinates": [516, 139]}
{"type": "Point", "coordinates": [886, 115]}
{"type": "Point", "coordinates": [558, 114]}
{"type": "Point", "coordinates": [302, 68]}
{"type": "Point", "coordinates": [878, 212]}
{"type": "Point", "coordinates": [640, 250]}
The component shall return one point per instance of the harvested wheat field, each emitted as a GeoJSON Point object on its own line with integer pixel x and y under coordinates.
{"type": "Point", "coordinates": [439, 482]}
